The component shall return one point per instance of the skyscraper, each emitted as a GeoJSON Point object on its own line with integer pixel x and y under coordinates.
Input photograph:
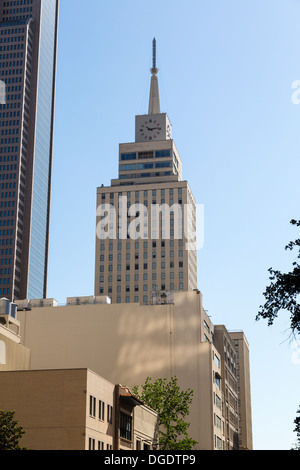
{"type": "Point", "coordinates": [146, 219]}
{"type": "Point", "coordinates": [28, 42]}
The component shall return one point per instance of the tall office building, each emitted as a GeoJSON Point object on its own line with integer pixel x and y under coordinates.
{"type": "Point", "coordinates": [146, 219]}
{"type": "Point", "coordinates": [28, 42]}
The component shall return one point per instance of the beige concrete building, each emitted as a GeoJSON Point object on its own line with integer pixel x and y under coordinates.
{"type": "Point", "coordinates": [243, 388]}
{"type": "Point", "coordinates": [126, 343]}
{"type": "Point", "coordinates": [229, 387]}
{"type": "Point", "coordinates": [146, 220]}
{"type": "Point", "coordinates": [76, 410]}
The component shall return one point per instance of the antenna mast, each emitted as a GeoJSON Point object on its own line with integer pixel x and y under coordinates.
{"type": "Point", "coordinates": [154, 53]}
{"type": "Point", "coordinates": [154, 69]}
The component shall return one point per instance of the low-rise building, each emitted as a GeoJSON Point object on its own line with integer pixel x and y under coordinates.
{"type": "Point", "coordinates": [76, 409]}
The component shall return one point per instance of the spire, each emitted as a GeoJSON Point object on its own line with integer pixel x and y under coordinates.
{"type": "Point", "coordinates": [154, 104]}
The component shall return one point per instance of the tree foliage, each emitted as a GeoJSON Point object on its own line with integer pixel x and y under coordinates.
{"type": "Point", "coordinates": [283, 292]}
{"type": "Point", "coordinates": [172, 405]}
{"type": "Point", "coordinates": [297, 430]}
{"type": "Point", "coordinates": [10, 432]}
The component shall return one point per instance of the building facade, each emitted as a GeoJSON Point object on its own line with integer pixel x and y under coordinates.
{"type": "Point", "coordinates": [146, 220]}
{"type": "Point", "coordinates": [28, 42]}
{"type": "Point", "coordinates": [76, 410]}
{"type": "Point", "coordinates": [127, 343]}
{"type": "Point", "coordinates": [229, 386]}
{"type": "Point", "coordinates": [244, 389]}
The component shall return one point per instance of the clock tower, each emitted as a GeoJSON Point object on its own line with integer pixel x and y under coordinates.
{"type": "Point", "coordinates": [156, 260]}
{"type": "Point", "coordinates": [154, 126]}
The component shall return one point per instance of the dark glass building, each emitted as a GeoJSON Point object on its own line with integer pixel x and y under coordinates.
{"type": "Point", "coordinates": [28, 43]}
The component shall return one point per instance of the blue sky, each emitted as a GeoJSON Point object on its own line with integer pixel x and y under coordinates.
{"type": "Point", "coordinates": [226, 75]}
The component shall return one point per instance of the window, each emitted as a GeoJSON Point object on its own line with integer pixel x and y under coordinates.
{"type": "Point", "coordinates": [128, 156]}
{"type": "Point", "coordinates": [218, 422]}
{"type": "Point", "coordinates": [206, 326]}
{"type": "Point", "coordinates": [163, 165]}
{"type": "Point", "coordinates": [218, 402]}
{"type": "Point", "coordinates": [100, 445]}
{"type": "Point", "coordinates": [128, 167]}
{"type": "Point", "coordinates": [145, 166]}
{"type": "Point", "coordinates": [163, 153]}
{"type": "Point", "coordinates": [218, 443]}
{"type": "Point", "coordinates": [91, 443]}
{"type": "Point", "coordinates": [92, 406]}
{"type": "Point", "coordinates": [217, 360]}
{"type": "Point", "coordinates": [109, 414]}
{"type": "Point", "coordinates": [125, 426]}
{"type": "Point", "coordinates": [101, 410]}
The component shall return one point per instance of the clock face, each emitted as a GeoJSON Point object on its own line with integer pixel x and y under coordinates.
{"type": "Point", "coordinates": [150, 129]}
